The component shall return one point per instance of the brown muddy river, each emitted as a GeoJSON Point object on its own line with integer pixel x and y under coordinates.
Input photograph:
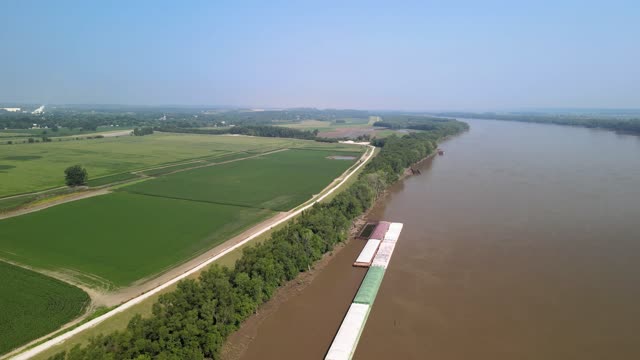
{"type": "Point", "coordinates": [521, 242]}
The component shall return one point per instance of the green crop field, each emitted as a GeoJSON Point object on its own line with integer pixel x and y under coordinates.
{"type": "Point", "coordinates": [277, 181]}
{"type": "Point", "coordinates": [144, 228]}
{"type": "Point", "coordinates": [327, 125]}
{"type": "Point", "coordinates": [118, 238]}
{"type": "Point", "coordinates": [204, 161]}
{"type": "Point", "coordinates": [33, 305]}
{"type": "Point", "coordinates": [169, 169]}
{"type": "Point", "coordinates": [32, 167]}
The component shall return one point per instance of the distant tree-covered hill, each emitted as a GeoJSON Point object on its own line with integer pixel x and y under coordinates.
{"type": "Point", "coordinates": [615, 123]}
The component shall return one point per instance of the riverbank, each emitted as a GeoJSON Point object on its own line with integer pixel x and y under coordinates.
{"type": "Point", "coordinates": [254, 339]}
{"type": "Point", "coordinates": [297, 313]}
{"type": "Point", "coordinates": [236, 344]}
{"type": "Point", "coordinates": [238, 292]}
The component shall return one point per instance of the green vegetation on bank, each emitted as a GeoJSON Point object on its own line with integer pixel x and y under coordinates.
{"type": "Point", "coordinates": [413, 122]}
{"type": "Point", "coordinates": [193, 321]}
{"type": "Point", "coordinates": [33, 305]}
{"type": "Point", "coordinates": [402, 152]}
{"type": "Point", "coordinates": [630, 125]}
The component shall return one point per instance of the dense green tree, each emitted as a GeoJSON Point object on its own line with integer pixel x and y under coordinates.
{"type": "Point", "coordinates": [145, 130]}
{"type": "Point", "coordinates": [75, 175]}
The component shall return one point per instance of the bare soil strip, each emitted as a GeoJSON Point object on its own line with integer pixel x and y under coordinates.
{"type": "Point", "coordinates": [47, 204]}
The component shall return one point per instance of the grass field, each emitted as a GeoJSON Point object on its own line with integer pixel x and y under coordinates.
{"type": "Point", "coordinates": [144, 228]}
{"type": "Point", "coordinates": [32, 167]}
{"type": "Point", "coordinates": [120, 237]}
{"type": "Point", "coordinates": [120, 321]}
{"type": "Point", "coordinates": [350, 128]}
{"type": "Point", "coordinates": [33, 305]}
{"type": "Point", "coordinates": [204, 161]}
{"type": "Point", "coordinates": [278, 181]}
{"type": "Point", "coordinates": [327, 125]}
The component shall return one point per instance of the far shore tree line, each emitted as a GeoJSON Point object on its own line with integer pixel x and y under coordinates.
{"type": "Point", "coordinates": [45, 139]}
{"type": "Point", "coordinates": [90, 117]}
{"type": "Point", "coordinates": [193, 321]}
{"type": "Point", "coordinates": [619, 124]}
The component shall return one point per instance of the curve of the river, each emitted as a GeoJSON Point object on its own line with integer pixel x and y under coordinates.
{"type": "Point", "coordinates": [521, 242]}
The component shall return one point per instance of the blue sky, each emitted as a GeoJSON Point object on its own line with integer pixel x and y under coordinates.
{"type": "Point", "coordinates": [424, 55]}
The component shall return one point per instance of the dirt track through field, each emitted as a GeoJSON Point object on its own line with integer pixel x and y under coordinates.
{"type": "Point", "coordinates": [48, 204]}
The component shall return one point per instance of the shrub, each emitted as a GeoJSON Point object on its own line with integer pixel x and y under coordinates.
{"type": "Point", "coordinates": [75, 175]}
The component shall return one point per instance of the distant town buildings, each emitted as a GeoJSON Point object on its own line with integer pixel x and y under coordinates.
{"type": "Point", "coordinates": [37, 111]}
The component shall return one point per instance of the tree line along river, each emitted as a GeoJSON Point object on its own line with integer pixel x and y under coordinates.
{"type": "Point", "coordinates": [521, 242]}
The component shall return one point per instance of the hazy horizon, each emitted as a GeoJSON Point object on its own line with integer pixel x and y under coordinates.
{"type": "Point", "coordinates": [100, 106]}
{"type": "Point", "coordinates": [407, 56]}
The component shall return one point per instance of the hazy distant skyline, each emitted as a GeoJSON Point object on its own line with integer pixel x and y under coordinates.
{"type": "Point", "coordinates": [426, 55]}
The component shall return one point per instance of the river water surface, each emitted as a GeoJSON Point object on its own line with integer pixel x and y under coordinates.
{"type": "Point", "coordinates": [521, 242]}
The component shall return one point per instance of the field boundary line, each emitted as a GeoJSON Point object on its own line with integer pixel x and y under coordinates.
{"type": "Point", "coordinates": [107, 188]}
{"type": "Point", "coordinates": [33, 192]}
{"type": "Point", "coordinates": [206, 163]}
{"type": "Point", "coordinates": [227, 162]}
{"type": "Point", "coordinates": [63, 337]}
{"type": "Point", "coordinates": [67, 198]}
{"type": "Point", "coordinates": [246, 206]}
